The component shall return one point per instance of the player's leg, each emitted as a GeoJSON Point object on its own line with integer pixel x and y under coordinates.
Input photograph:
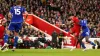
{"type": "Point", "coordinates": [17, 27]}
{"type": "Point", "coordinates": [78, 42]}
{"type": "Point", "coordinates": [15, 41]}
{"type": "Point", "coordinates": [2, 29]}
{"type": "Point", "coordinates": [73, 32]}
{"type": "Point", "coordinates": [5, 47]}
{"type": "Point", "coordinates": [77, 32]}
{"type": "Point", "coordinates": [1, 43]}
{"type": "Point", "coordinates": [87, 40]}
{"type": "Point", "coordinates": [5, 40]}
{"type": "Point", "coordinates": [11, 27]}
{"type": "Point", "coordinates": [81, 43]}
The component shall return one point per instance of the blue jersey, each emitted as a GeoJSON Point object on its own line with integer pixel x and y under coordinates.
{"type": "Point", "coordinates": [85, 28]}
{"type": "Point", "coordinates": [83, 24]}
{"type": "Point", "coordinates": [17, 14]}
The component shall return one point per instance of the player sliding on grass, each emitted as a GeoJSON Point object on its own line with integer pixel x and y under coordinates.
{"type": "Point", "coordinates": [85, 33]}
{"type": "Point", "coordinates": [16, 12]}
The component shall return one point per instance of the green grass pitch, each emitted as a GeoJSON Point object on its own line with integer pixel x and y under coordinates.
{"type": "Point", "coordinates": [51, 52]}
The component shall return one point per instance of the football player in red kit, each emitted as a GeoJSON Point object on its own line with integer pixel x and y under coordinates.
{"type": "Point", "coordinates": [75, 30]}
{"type": "Point", "coordinates": [2, 29]}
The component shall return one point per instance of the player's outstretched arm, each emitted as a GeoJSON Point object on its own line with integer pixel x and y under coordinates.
{"type": "Point", "coordinates": [4, 20]}
{"type": "Point", "coordinates": [9, 15]}
{"type": "Point", "coordinates": [25, 13]}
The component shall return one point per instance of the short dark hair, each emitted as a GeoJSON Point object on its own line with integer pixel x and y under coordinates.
{"type": "Point", "coordinates": [18, 2]}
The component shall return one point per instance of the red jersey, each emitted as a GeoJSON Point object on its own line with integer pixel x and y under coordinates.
{"type": "Point", "coordinates": [1, 18]}
{"type": "Point", "coordinates": [76, 21]}
{"type": "Point", "coordinates": [76, 28]}
{"type": "Point", "coordinates": [1, 27]}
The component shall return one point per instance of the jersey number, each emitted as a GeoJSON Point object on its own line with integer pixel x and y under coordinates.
{"type": "Point", "coordinates": [17, 11]}
{"type": "Point", "coordinates": [84, 21]}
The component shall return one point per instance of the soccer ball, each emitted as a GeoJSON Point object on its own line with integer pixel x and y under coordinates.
{"type": "Point", "coordinates": [20, 41]}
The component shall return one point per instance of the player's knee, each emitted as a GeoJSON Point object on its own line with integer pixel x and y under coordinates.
{"type": "Point", "coordinates": [88, 41]}
{"type": "Point", "coordinates": [7, 32]}
{"type": "Point", "coordinates": [15, 34]}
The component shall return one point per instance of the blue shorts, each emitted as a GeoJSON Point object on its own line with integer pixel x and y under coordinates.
{"type": "Point", "coordinates": [85, 33]}
{"type": "Point", "coordinates": [15, 27]}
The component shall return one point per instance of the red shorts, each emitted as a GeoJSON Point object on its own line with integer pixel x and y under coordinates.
{"type": "Point", "coordinates": [2, 29]}
{"type": "Point", "coordinates": [76, 31]}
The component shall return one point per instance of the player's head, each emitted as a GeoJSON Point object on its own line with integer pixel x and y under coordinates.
{"type": "Point", "coordinates": [18, 2]}
{"type": "Point", "coordinates": [71, 16]}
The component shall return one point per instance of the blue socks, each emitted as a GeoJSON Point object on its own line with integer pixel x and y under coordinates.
{"type": "Point", "coordinates": [15, 41]}
{"type": "Point", "coordinates": [5, 38]}
{"type": "Point", "coordinates": [83, 46]}
{"type": "Point", "coordinates": [92, 44]}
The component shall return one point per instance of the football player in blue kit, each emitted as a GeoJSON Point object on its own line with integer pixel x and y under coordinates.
{"type": "Point", "coordinates": [16, 13]}
{"type": "Point", "coordinates": [85, 33]}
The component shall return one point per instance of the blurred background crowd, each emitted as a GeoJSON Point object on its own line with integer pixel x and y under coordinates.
{"type": "Point", "coordinates": [57, 12]}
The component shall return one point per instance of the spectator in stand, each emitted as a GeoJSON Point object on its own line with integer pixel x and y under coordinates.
{"type": "Point", "coordinates": [54, 39]}
{"type": "Point", "coordinates": [94, 33]}
{"type": "Point", "coordinates": [98, 33]}
{"type": "Point", "coordinates": [98, 43]}
{"type": "Point", "coordinates": [57, 11]}
{"type": "Point", "coordinates": [42, 41]}
{"type": "Point", "coordinates": [26, 42]}
{"type": "Point", "coordinates": [60, 38]}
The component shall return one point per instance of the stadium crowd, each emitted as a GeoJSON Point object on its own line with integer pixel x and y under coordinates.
{"type": "Point", "coordinates": [57, 12]}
